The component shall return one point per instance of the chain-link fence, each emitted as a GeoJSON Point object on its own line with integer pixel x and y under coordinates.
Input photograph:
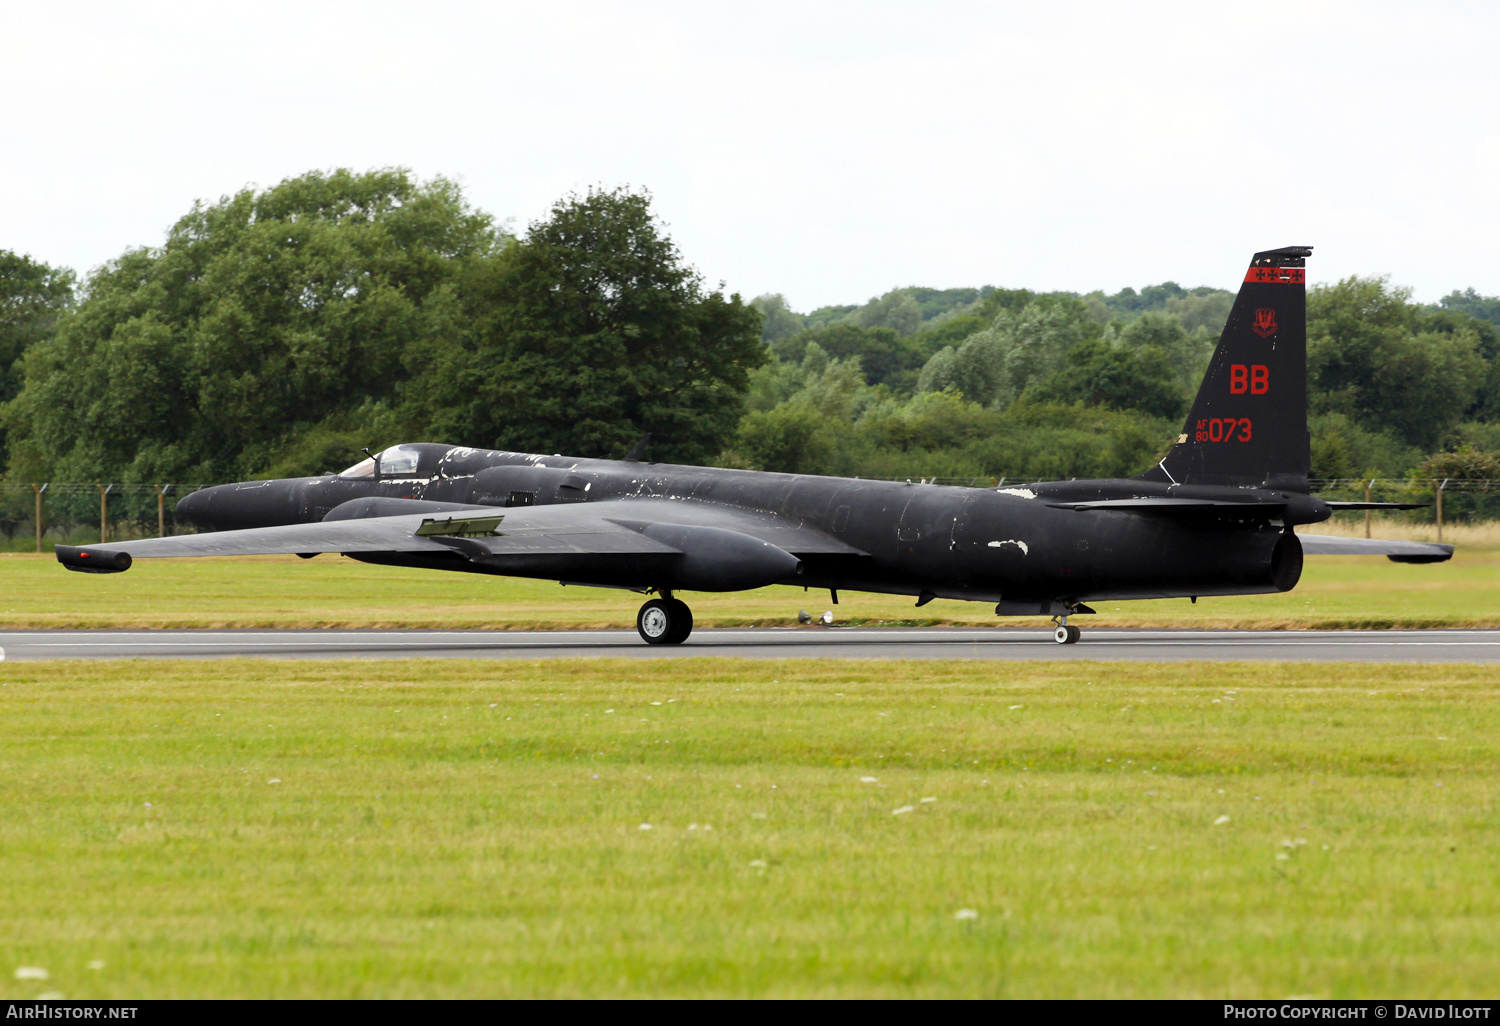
{"type": "Point", "coordinates": [47, 513]}
{"type": "Point", "coordinates": [1448, 500]}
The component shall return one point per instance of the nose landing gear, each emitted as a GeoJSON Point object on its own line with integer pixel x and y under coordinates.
{"type": "Point", "coordinates": [664, 621]}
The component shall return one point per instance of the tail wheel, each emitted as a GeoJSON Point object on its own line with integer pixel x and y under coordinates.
{"type": "Point", "coordinates": [664, 622]}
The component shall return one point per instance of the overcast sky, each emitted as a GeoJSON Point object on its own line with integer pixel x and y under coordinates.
{"type": "Point", "coordinates": [828, 151]}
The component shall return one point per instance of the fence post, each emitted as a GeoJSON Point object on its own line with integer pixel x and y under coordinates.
{"type": "Point", "coordinates": [1440, 488]}
{"type": "Point", "coordinates": [1367, 512]}
{"type": "Point", "coordinates": [39, 491]}
{"type": "Point", "coordinates": [104, 512]}
{"type": "Point", "coordinates": [161, 510]}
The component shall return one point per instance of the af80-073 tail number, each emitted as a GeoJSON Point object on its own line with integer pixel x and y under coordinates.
{"type": "Point", "coordinates": [1223, 429]}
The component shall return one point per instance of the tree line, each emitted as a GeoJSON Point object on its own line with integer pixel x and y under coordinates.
{"type": "Point", "coordinates": [278, 332]}
{"type": "Point", "coordinates": [1061, 384]}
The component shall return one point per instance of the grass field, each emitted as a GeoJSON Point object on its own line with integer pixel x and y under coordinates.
{"type": "Point", "coordinates": [284, 591]}
{"type": "Point", "coordinates": [446, 829]}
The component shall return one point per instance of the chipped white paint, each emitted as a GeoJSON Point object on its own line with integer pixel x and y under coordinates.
{"type": "Point", "coordinates": [1025, 549]}
{"type": "Point", "coordinates": [1020, 493]}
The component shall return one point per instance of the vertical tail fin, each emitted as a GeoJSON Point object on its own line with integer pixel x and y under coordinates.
{"type": "Point", "coordinates": [1248, 425]}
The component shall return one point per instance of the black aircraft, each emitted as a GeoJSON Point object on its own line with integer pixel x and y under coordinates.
{"type": "Point", "coordinates": [1214, 517]}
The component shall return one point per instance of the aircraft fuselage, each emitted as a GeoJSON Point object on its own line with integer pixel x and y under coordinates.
{"type": "Point", "coordinates": [1005, 545]}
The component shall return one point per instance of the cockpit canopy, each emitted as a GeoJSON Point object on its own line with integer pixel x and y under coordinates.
{"type": "Point", "coordinates": [397, 461]}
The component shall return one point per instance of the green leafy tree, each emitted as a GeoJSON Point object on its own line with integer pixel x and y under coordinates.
{"type": "Point", "coordinates": [1464, 463]}
{"type": "Point", "coordinates": [996, 301]}
{"type": "Point", "coordinates": [1187, 353]}
{"type": "Point", "coordinates": [929, 423]}
{"type": "Point", "coordinates": [832, 387]}
{"type": "Point", "coordinates": [982, 367]}
{"type": "Point", "coordinates": [263, 316]}
{"type": "Point", "coordinates": [1486, 402]}
{"type": "Point", "coordinates": [32, 298]}
{"type": "Point", "coordinates": [1169, 296]}
{"type": "Point", "coordinates": [881, 353]}
{"type": "Point", "coordinates": [1047, 441]}
{"type": "Point", "coordinates": [588, 333]}
{"type": "Point", "coordinates": [1368, 359]}
{"type": "Point", "coordinates": [935, 303]}
{"type": "Point", "coordinates": [994, 366]}
{"type": "Point", "coordinates": [1485, 308]}
{"type": "Point", "coordinates": [772, 384]}
{"type": "Point", "coordinates": [1342, 448]}
{"type": "Point", "coordinates": [893, 335]}
{"type": "Point", "coordinates": [826, 315]}
{"type": "Point", "coordinates": [1118, 377]}
{"type": "Point", "coordinates": [1209, 311]}
{"type": "Point", "coordinates": [1478, 434]}
{"type": "Point", "coordinates": [938, 372]}
{"type": "Point", "coordinates": [778, 320]}
{"type": "Point", "coordinates": [790, 439]}
{"type": "Point", "coordinates": [897, 311]}
{"type": "Point", "coordinates": [946, 331]}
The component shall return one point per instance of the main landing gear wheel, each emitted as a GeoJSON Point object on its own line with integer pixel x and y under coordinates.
{"type": "Point", "coordinates": [664, 621]}
{"type": "Point", "coordinates": [1066, 634]}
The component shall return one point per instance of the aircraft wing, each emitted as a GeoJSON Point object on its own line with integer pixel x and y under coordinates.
{"type": "Point", "coordinates": [376, 534]}
{"type": "Point", "coordinates": [635, 539]}
{"type": "Point", "coordinates": [1396, 551]}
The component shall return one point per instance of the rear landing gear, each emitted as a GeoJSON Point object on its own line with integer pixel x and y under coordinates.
{"type": "Point", "coordinates": [1065, 634]}
{"type": "Point", "coordinates": [664, 621]}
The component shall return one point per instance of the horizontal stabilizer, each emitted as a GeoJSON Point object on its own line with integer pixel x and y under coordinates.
{"type": "Point", "coordinates": [1396, 551]}
{"type": "Point", "coordinates": [1170, 506]}
{"type": "Point", "coordinates": [1336, 506]}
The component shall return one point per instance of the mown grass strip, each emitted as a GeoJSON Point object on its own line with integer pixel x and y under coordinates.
{"type": "Point", "coordinates": [448, 828]}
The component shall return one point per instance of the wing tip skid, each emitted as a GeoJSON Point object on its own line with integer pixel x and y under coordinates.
{"type": "Point", "coordinates": [89, 559]}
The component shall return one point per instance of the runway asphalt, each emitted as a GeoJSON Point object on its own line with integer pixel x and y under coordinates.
{"type": "Point", "coordinates": [1476, 646]}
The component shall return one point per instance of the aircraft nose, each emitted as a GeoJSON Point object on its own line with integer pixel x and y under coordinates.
{"type": "Point", "coordinates": [233, 507]}
{"type": "Point", "coordinates": [197, 507]}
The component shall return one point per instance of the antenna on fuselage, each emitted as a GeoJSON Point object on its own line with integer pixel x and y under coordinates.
{"type": "Point", "coordinates": [638, 450]}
